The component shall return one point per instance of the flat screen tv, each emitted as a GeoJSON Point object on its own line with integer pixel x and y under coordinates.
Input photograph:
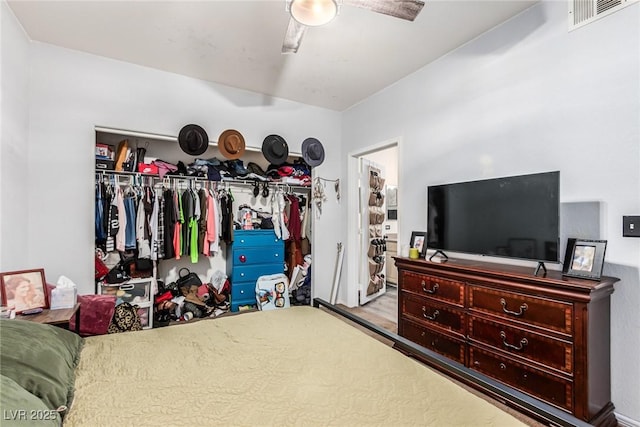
{"type": "Point", "coordinates": [515, 216]}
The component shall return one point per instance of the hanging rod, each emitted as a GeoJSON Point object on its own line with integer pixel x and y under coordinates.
{"type": "Point", "coordinates": [170, 138]}
{"type": "Point", "coordinates": [201, 179]}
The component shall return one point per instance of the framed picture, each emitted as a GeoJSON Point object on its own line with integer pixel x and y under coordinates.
{"type": "Point", "coordinates": [392, 196]}
{"type": "Point", "coordinates": [418, 239]}
{"type": "Point", "coordinates": [24, 290]}
{"type": "Point", "coordinates": [584, 258]}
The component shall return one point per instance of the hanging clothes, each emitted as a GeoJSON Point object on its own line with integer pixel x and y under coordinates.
{"type": "Point", "coordinates": [202, 220]}
{"type": "Point", "coordinates": [113, 222]}
{"type": "Point", "coordinates": [186, 200]}
{"type": "Point", "coordinates": [295, 225]}
{"type": "Point", "coordinates": [122, 215]}
{"type": "Point", "coordinates": [177, 235]}
{"type": "Point", "coordinates": [153, 226]}
{"type": "Point", "coordinates": [169, 219]}
{"type": "Point", "coordinates": [226, 207]}
{"type": "Point", "coordinates": [193, 228]}
{"type": "Point", "coordinates": [130, 229]}
{"type": "Point", "coordinates": [101, 233]}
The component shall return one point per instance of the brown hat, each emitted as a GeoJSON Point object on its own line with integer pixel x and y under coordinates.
{"type": "Point", "coordinates": [193, 140]}
{"type": "Point", "coordinates": [231, 144]}
{"type": "Point", "coordinates": [275, 149]}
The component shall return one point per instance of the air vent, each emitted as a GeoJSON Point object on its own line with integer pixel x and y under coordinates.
{"type": "Point", "coordinates": [582, 12]}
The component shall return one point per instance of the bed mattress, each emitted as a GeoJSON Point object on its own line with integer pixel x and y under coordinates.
{"type": "Point", "coordinates": [299, 366]}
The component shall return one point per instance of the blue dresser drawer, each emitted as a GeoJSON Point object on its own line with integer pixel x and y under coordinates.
{"type": "Point", "coordinates": [244, 238]}
{"type": "Point", "coordinates": [243, 291]}
{"type": "Point", "coordinates": [250, 273]}
{"type": "Point", "coordinates": [253, 255]}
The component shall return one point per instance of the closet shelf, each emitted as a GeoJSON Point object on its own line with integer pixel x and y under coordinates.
{"type": "Point", "coordinates": [169, 178]}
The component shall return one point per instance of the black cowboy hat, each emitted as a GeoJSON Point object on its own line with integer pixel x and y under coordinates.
{"type": "Point", "coordinates": [193, 140]}
{"type": "Point", "coordinates": [312, 152]}
{"type": "Point", "coordinates": [275, 149]}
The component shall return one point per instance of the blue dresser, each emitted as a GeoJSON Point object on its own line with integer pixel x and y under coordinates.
{"type": "Point", "coordinates": [254, 253]}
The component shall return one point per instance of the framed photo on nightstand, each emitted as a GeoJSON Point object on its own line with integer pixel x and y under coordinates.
{"type": "Point", "coordinates": [24, 290]}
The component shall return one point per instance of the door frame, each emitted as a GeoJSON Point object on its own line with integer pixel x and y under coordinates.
{"type": "Point", "coordinates": [353, 210]}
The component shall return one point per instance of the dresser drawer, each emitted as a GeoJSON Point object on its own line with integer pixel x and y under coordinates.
{"type": "Point", "coordinates": [550, 388]}
{"type": "Point", "coordinates": [254, 255]}
{"type": "Point", "coordinates": [529, 309]}
{"type": "Point", "coordinates": [145, 311]}
{"type": "Point", "coordinates": [134, 291]}
{"type": "Point", "coordinates": [433, 313]}
{"type": "Point", "coordinates": [434, 287]}
{"type": "Point", "coordinates": [447, 346]}
{"type": "Point", "coordinates": [251, 238]}
{"type": "Point", "coordinates": [548, 351]}
{"type": "Point", "coordinates": [243, 291]}
{"type": "Point", "coordinates": [250, 273]}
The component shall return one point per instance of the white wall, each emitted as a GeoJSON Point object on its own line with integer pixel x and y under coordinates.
{"type": "Point", "coordinates": [14, 126]}
{"type": "Point", "coordinates": [529, 96]}
{"type": "Point", "coordinates": [71, 92]}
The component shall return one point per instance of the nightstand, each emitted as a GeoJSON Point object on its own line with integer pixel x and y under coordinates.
{"type": "Point", "coordinates": [60, 317]}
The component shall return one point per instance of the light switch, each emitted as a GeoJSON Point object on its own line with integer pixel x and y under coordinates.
{"type": "Point", "coordinates": [631, 226]}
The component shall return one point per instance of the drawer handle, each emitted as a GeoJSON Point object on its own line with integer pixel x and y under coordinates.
{"type": "Point", "coordinates": [523, 308]}
{"type": "Point", "coordinates": [503, 366]}
{"type": "Point", "coordinates": [426, 316]}
{"type": "Point", "coordinates": [433, 289]}
{"type": "Point", "coordinates": [277, 255]}
{"type": "Point", "coordinates": [523, 342]}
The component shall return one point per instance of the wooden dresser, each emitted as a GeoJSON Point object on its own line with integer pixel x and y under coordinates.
{"type": "Point", "coordinates": [547, 337]}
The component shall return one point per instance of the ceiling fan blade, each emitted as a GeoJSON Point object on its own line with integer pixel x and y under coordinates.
{"type": "Point", "coordinates": [293, 37]}
{"type": "Point", "coordinates": [403, 9]}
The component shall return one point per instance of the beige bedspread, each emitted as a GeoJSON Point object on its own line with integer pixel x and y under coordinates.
{"type": "Point", "coordinates": [299, 366]}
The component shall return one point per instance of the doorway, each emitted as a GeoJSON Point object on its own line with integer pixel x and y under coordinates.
{"type": "Point", "coordinates": [379, 307]}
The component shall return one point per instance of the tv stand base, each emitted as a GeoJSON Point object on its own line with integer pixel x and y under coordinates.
{"type": "Point", "coordinates": [439, 252]}
{"type": "Point", "coordinates": [537, 270]}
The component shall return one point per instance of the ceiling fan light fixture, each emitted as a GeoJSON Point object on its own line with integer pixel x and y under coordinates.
{"type": "Point", "coordinates": [314, 13]}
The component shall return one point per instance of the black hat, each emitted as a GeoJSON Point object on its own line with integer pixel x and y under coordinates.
{"type": "Point", "coordinates": [275, 149]}
{"type": "Point", "coordinates": [312, 152]}
{"type": "Point", "coordinates": [193, 140]}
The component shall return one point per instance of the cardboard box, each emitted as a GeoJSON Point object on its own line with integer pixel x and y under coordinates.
{"type": "Point", "coordinates": [105, 151]}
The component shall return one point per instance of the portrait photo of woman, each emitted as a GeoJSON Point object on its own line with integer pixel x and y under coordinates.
{"type": "Point", "coordinates": [24, 290]}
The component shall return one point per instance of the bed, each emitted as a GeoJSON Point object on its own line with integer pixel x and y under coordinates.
{"type": "Point", "coordinates": [297, 366]}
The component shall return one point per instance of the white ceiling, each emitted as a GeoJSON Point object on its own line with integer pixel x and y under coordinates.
{"type": "Point", "coordinates": [237, 43]}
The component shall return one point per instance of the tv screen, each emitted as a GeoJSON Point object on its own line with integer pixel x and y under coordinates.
{"type": "Point", "coordinates": [516, 216]}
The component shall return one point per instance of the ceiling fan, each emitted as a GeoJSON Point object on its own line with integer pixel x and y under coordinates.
{"type": "Point", "coordinates": [313, 13]}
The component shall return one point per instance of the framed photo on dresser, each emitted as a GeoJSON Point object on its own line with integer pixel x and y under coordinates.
{"type": "Point", "coordinates": [584, 258]}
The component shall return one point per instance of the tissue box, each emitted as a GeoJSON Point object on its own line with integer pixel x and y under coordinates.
{"type": "Point", "coordinates": [63, 298]}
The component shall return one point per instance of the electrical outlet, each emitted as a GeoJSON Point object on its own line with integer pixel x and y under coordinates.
{"type": "Point", "coordinates": [631, 226]}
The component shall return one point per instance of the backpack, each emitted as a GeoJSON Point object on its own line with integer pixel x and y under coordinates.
{"type": "Point", "coordinates": [125, 318]}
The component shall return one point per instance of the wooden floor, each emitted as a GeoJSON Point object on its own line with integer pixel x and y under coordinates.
{"type": "Point", "coordinates": [383, 312]}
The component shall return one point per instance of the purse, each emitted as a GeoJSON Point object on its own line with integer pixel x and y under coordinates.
{"type": "Point", "coordinates": [117, 274]}
{"type": "Point", "coordinates": [125, 318]}
{"type": "Point", "coordinates": [188, 279]}
{"type": "Point", "coordinates": [101, 269]}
